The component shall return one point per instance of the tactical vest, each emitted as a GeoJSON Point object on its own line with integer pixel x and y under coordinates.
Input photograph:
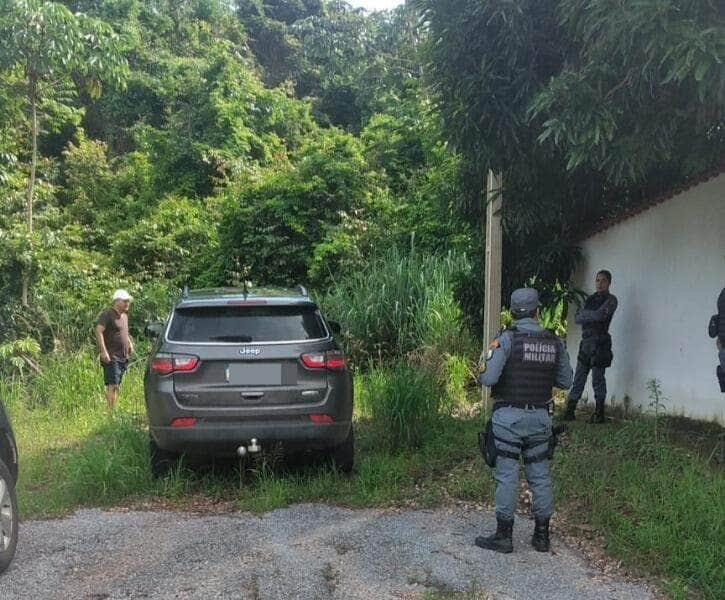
{"type": "Point", "coordinates": [594, 302]}
{"type": "Point", "coordinates": [530, 372]}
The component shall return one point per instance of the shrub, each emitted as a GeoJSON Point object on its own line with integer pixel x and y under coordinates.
{"type": "Point", "coordinates": [169, 243]}
{"type": "Point", "coordinates": [398, 304]}
{"type": "Point", "coordinates": [402, 401]}
{"type": "Point", "coordinates": [19, 355]}
{"type": "Point", "coordinates": [300, 222]}
{"type": "Point", "coordinates": [457, 377]}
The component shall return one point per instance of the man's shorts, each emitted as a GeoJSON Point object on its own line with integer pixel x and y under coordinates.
{"type": "Point", "coordinates": [113, 371]}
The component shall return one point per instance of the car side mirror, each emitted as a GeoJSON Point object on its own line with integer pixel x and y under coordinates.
{"type": "Point", "coordinates": [154, 329]}
{"type": "Point", "coordinates": [335, 327]}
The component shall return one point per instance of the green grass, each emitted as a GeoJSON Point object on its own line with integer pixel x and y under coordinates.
{"type": "Point", "coordinates": [73, 452]}
{"type": "Point", "coordinates": [658, 506]}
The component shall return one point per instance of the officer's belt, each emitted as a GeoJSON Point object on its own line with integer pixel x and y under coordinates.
{"type": "Point", "coordinates": [534, 406]}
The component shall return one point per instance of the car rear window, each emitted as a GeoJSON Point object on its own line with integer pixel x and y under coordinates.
{"type": "Point", "coordinates": [244, 324]}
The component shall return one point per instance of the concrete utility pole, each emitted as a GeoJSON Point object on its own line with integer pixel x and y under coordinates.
{"type": "Point", "coordinates": [492, 301]}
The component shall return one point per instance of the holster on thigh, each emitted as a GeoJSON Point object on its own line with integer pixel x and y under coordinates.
{"type": "Point", "coordinates": [487, 444]}
{"type": "Point", "coordinates": [548, 452]}
{"type": "Point", "coordinates": [490, 451]}
{"type": "Point", "coordinates": [587, 351]}
{"type": "Point", "coordinates": [603, 356]}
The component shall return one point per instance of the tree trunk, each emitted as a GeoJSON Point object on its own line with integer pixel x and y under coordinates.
{"type": "Point", "coordinates": [31, 184]}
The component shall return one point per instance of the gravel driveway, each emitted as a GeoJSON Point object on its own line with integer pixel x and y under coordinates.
{"type": "Point", "coordinates": [305, 551]}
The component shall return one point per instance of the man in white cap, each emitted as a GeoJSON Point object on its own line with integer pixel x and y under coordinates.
{"type": "Point", "coordinates": [114, 343]}
{"type": "Point", "coordinates": [521, 366]}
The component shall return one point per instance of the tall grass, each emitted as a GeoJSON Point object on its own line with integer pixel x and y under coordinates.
{"type": "Point", "coordinates": [403, 401]}
{"type": "Point", "coordinates": [73, 451]}
{"type": "Point", "coordinates": [71, 385]}
{"type": "Point", "coordinates": [400, 303]}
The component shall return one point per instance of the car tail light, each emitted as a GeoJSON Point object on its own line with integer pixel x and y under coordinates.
{"type": "Point", "coordinates": [163, 364]}
{"type": "Point", "coordinates": [314, 361]}
{"type": "Point", "coordinates": [183, 422]}
{"type": "Point", "coordinates": [185, 362]}
{"type": "Point", "coordinates": [333, 360]}
{"type": "Point", "coordinates": [336, 360]}
{"type": "Point", "coordinates": [321, 418]}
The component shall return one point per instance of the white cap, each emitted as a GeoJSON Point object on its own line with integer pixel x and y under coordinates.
{"type": "Point", "coordinates": [121, 295]}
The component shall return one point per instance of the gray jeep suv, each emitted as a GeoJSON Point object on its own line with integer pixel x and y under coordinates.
{"type": "Point", "coordinates": [236, 372]}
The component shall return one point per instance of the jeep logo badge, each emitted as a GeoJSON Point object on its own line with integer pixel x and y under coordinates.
{"type": "Point", "coordinates": [250, 351]}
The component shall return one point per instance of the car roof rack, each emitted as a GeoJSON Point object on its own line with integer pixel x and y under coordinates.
{"type": "Point", "coordinates": [302, 290]}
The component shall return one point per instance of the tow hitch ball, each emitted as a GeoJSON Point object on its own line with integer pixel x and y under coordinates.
{"type": "Point", "coordinates": [253, 448]}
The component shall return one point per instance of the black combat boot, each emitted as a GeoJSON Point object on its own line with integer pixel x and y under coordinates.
{"type": "Point", "coordinates": [540, 539]}
{"type": "Point", "coordinates": [598, 414]}
{"type": "Point", "coordinates": [569, 412]}
{"type": "Point", "coordinates": [501, 540]}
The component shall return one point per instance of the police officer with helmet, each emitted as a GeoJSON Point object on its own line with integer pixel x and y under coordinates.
{"type": "Point", "coordinates": [521, 366]}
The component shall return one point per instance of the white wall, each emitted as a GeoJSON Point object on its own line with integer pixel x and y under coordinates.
{"type": "Point", "coordinates": [668, 267]}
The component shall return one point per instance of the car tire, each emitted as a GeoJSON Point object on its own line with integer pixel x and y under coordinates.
{"type": "Point", "coordinates": [161, 461]}
{"type": "Point", "coordinates": [8, 517]}
{"type": "Point", "coordinates": [343, 455]}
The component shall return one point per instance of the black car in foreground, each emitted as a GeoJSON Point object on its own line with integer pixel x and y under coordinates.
{"type": "Point", "coordinates": [8, 499]}
{"type": "Point", "coordinates": [238, 372]}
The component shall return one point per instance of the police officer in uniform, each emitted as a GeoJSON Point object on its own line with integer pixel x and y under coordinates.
{"type": "Point", "coordinates": [595, 350]}
{"type": "Point", "coordinates": [521, 366]}
{"type": "Point", "coordinates": [717, 330]}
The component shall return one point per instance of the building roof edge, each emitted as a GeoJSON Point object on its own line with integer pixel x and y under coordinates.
{"type": "Point", "coordinates": [649, 203]}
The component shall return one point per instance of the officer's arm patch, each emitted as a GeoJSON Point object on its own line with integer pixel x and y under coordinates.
{"type": "Point", "coordinates": [488, 355]}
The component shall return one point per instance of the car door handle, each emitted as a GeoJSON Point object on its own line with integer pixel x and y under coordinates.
{"type": "Point", "coordinates": [252, 394]}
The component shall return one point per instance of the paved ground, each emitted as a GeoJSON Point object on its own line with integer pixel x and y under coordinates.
{"type": "Point", "coordinates": [306, 551]}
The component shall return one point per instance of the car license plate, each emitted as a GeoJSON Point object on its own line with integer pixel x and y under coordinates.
{"type": "Point", "coordinates": [255, 373]}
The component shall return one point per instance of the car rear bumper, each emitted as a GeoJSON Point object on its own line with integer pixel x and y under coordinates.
{"type": "Point", "coordinates": [220, 438]}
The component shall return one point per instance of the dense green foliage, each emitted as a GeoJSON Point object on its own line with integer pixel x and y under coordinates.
{"type": "Point", "coordinates": [154, 144]}
{"type": "Point", "coordinates": [198, 143]}
{"type": "Point", "coordinates": [583, 106]}
{"type": "Point", "coordinates": [403, 400]}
